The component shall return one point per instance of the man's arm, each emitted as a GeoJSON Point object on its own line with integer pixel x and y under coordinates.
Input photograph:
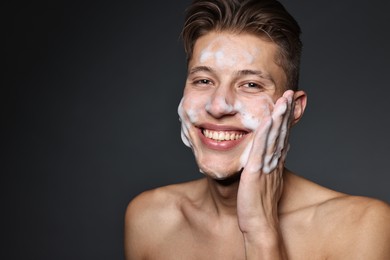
{"type": "Point", "coordinates": [261, 185]}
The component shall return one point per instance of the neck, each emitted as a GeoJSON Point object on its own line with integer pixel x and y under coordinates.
{"type": "Point", "coordinates": [224, 194]}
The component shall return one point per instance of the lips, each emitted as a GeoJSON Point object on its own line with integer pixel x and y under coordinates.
{"type": "Point", "coordinates": [221, 137]}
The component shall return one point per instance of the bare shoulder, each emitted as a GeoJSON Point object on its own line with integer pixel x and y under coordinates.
{"type": "Point", "coordinates": [357, 227]}
{"type": "Point", "coordinates": [324, 203]}
{"type": "Point", "coordinates": [154, 214]}
{"type": "Point", "coordinates": [355, 213]}
{"type": "Point", "coordinates": [358, 207]}
{"type": "Point", "coordinates": [341, 226]}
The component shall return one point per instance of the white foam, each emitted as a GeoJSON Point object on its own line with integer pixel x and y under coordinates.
{"type": "Point", "coordinates": [218, 48]}
{"type": "Point", "coordinates": [205, 55]}
{"type": "Point", "coordinates": [250, 121]}
{"type": "Point", "coordinates": [185, 125]}
{"type": "Point", "coordinates": [247, 119]}
{"type": "Point", "coordinates": [192, 115]}
{"type": "Point", "coordinates": [184, 137]}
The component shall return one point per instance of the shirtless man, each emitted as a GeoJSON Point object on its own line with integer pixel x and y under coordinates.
{"type": "Point", "coordinates": [239, 102]}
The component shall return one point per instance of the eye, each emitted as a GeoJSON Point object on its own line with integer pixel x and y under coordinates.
{"type": "Point", "coordinates": [251, 85]}
{"type": "Point", "coordinates": [202, 82]}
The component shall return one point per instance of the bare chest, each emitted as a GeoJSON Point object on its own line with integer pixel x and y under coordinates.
{"type": "Point", "coordinates": [190, 243]}
{"type": "Point", "coordinates": [195, 244]}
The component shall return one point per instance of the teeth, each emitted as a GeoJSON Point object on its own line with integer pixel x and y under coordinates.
{"type": "Point", "coordinates": [222, 136]}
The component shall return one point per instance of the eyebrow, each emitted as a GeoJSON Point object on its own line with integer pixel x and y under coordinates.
{"type": "Point", "coordinates": [258, 73]}
{"type": "Point", "coordinates": [201, 69]}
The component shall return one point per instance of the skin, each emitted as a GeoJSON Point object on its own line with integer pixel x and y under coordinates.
{"type": "Point", "coordinates": [247, 205]}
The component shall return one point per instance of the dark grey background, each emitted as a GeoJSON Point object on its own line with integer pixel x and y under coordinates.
{"type": "Point", "coordinates": [88, 106]}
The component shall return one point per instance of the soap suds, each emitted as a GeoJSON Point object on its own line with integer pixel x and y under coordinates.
{"type": "Point", "coordinates": [249, 120]}
{"type": "Point", "coordinates": [185, 126]}
{"type": "Point", "coordinates": [225, 54]}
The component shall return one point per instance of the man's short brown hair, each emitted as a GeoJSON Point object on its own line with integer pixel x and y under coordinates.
{"type": "Point", "coordinates": [265, 18]}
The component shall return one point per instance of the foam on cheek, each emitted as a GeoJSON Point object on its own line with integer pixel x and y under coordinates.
{"type": "Point", "coordinates": [185, 125]}
{"type": "Point", "coordinates": [192, 115]}
{"type": "Point", "coordinates": [188, 116]}
{"type": "Point", "coordinates": [248, 120]}
{"type": "Point", "coordinates": [252, 122]}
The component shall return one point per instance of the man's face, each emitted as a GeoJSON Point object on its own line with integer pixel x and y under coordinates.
{"type": "Point", "coordinates": [232, 83]}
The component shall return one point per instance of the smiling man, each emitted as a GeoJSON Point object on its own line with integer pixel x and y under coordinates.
{"type": "Point", "coordinates": [240, 100]}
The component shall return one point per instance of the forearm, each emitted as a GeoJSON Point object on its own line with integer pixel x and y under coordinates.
{"type": "Point", "coordinates": [265, 245]}
{"type": "Point", "coordinates": [261, 185]}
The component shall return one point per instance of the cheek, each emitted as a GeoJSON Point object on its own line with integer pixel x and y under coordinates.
{"type": "Point", "coordinates": [188, 115]}
{"type": "Point", "coordinates": [252, 113]}
{"type": "Point", "coordinates": [191, 107]}
{"type": "Point", "coordinates": [189, 110]}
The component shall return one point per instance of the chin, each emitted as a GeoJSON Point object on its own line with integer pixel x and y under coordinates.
{"type": "Point", "coordinates": [219, 173]}
{"type": "Point", "coordinates": [217, 165]}
{"type": "Point", "coordinates": [225, 179]}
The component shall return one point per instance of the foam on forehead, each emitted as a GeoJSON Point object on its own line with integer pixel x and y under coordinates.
{"type": "Point", "coordinates": [225, 53]}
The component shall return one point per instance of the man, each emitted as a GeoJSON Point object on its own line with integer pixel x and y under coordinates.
{"type": "Point", "coordinates": [240, 99]}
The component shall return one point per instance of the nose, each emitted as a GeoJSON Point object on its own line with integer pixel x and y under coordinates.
{"type": "Point", "coordinates": [221, 103]}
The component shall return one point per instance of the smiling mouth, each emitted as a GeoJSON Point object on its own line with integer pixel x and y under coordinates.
{"type": "Point", "coordinates": [223, 135]}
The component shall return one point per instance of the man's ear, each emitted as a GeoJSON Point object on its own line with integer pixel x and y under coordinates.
{"type": "Point", "coordinates": [300, 100]}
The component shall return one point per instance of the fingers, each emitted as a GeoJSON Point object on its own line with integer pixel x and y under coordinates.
{"type": "Point", "coordinates": [273, 151]}
{"type": "Point", "coordinates": [257, 152]}
{"type": "Point", "coordinates": [270, 143]}
{"type": "Point", "coordinates": [277, 142]}
{"type": "Point", "coordinates": [280, 144]}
